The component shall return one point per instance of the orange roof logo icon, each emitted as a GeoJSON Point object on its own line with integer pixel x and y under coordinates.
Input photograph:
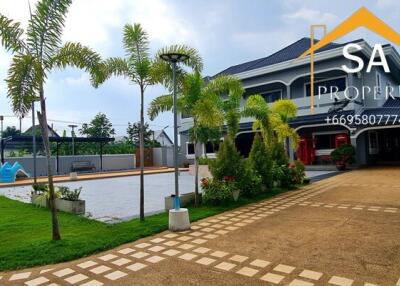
{"type": "Point", "coordinates": [362, 18]}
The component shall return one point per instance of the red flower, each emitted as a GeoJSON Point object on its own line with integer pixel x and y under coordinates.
{"type": "Point", "coordinates": [229, 178]}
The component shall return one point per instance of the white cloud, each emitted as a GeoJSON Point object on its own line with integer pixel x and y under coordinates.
{"type": "Point", "coordinates": [311, 16]}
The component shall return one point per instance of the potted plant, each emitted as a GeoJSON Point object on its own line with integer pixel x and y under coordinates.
{"type": "Point", "coordinates": [66, 200]}
{"type": "Point", "coordinates": [343, 155]}
{"type": "Point", "coordinates": [69, 200]}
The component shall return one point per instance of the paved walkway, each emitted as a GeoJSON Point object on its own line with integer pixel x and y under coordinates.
{"type": "Point", "coordinates": [340, 231]}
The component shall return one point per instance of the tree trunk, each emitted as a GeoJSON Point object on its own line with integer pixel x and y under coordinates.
{"type": "Point", "coordinates": [196, 176]}
{"type": "Point", "coordinates": [141, 147]}
{"type": "Point", "coordinates": [46, 143]}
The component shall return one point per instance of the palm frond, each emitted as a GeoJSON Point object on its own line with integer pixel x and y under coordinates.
{"type": "Point", "coordinates": [230, 86]}
{"type": "Point", "coordinates": [207, 113]}
{"type": "Point", "coordinates": [195, 62]}
{"type": "Point", "coordinates": [159, 105]}
{"type": "Point", "coordinates": [285, 108]}
{"type": "Point", "coordinates": [136, 42]}
{"type": "Point", "coordinates": [45, 28]}
{"type": "Point", "coordinates": [11, 35]}
{"type": "Point", "coordinates": [136, 45]}
{"type": "Point", "coordinates": [24, 80]}
{"type": "Point", "coordinates": [77, 55]}
{"type": "Point", "coordinates": [162, 71]}
{"type": "Point", "coordinates": [256, 107]}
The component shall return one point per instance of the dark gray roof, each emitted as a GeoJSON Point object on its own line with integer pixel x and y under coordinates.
{"type": "Point", "coordinates": [290, 52]}
{"type": "Point", "coordinates": [390, 107]}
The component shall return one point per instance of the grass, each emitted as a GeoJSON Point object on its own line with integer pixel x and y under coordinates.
{"type": "Point", "coordinates": [25, 232]}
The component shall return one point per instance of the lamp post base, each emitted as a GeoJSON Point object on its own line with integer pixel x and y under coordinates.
{"type": "Point", "coordinates": [179, 219]}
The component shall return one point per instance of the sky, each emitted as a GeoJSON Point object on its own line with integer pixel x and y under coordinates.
{"type": "Point", "coordinates": [225, 32]}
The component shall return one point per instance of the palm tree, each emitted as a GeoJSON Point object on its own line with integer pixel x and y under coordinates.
{"type": "Point", "coordinates": [204, 103]}
{"type": "Point", "coordinates": [282, 111]}
{"type": "Point", "coordinates": [140, 69]}
{"type": "Point", "coordinates": [230, 87]}
{"type": "Point", "coordinates": [257, 107]}
{"type": "Point", "coordinates": [272, 121]}
{"type": "Point", "coordinates": [34, 58]}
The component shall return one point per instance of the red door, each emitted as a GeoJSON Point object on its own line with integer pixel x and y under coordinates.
{"type": "Point", "coordinates": [305, 152]}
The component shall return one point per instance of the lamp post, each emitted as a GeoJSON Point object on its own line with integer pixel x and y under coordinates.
{"type": "Point", "coordinates": [72, 126]}
{"type": "Point", "coordinates": [1, 140]}
{"type": "Point", "coordinates": [178, 218]}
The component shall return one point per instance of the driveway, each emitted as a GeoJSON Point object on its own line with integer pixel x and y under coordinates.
{"type": "Point", "coordinates": [339, 231]}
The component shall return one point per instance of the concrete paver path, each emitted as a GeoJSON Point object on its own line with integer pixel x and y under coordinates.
{"type": "Point", "coordinates": [340, 231]}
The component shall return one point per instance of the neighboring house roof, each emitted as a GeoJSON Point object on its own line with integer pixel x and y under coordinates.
{"type": "Point", "coordinates": [158, 134]}
{"type": "Point", "coordinates": [291, 52]}
{"type": "Point", "coordinates": [52, 132]}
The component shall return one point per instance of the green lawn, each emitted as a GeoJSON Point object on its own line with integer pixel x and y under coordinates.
{"type": "Point", "coordinates": [25, 232]}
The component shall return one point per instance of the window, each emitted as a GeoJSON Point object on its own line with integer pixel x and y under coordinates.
{"type": "Point", "coordinates": [325, 141]}
{"type": "Point", "coordinates": [337, 84]}
{"type": "Point", "coordinates": [190, 148]}
{"type": "Point", "coordinates": [378, 81]}
{"type": "Point", "coordinates": [211, 147]}
{"type": "Point", "coordinates": [271, 96]}
{"type": "Point", "coordinates": [373, 142]}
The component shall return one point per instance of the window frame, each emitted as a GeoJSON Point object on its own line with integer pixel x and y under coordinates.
{"type": "Point", "coordinates": [271, 91]}
{"type": "Point", "coordinates": [322, 80]}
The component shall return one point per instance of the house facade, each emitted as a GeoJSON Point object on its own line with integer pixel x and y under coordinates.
{"type": "Point", "coordinates": [358, 108]}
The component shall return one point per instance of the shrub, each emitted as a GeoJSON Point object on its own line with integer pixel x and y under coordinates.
{"type": "Point", "coordinates": [228, 162]}
{"type": "Point", "coordinates": [297, 172]}
{"type": "Point", "coordinates": [217, 192]}
{"type": "Point", "coordinates": [205, 161]}
{"type": "Point", "coordinates": [39, 188]}
{"type": "Point", "coordinates": [67, 194]}
{"type": "Point", "coordinates": [260, 160]}
{"type": "Point", "coordinates": [249, 182]}
{"type": "Point", "coordinates": [278, 172]}
{"type": "Point", "coordinates": [279, 154]}
{"type": "Point", "coordinates": [344, 154]}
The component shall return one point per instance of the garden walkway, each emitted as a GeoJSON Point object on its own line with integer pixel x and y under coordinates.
{"type": "Point", "coordinates": [343, 230]}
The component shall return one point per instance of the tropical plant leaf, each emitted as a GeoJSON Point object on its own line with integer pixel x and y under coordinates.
{"type": "Point", "coordinates": [136, 45]}
{"type": "Point", "coordinates": [77, 55]}
{"type": "Point", "coordinates": [136, 42]}
{"type": "Point", "coordinates": [159, 105]}
{"type": "Point", "coordinates": [11, 35]}
{"type": "Point", "coordinates": [162, 71]}
{"type": "Point", "coordinates": [285, 108]}
{"type": "Point", "coordinates": [25, 78]}
{"type": "Point", "coordinates": [45, 29]}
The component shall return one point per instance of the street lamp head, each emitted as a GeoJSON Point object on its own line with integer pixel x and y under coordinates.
{"type": "Point", "coordinates": [174, 57]}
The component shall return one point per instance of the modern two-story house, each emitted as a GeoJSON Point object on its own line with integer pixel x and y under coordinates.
{"type": "Point", "coordinates": [359, 108]}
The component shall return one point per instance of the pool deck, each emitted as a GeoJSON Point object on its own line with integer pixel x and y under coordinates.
{"type": "Point", "coordinates": [92, 176]}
